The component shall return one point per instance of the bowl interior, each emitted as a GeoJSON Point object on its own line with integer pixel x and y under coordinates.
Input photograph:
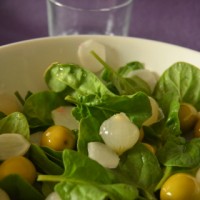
{"type": "Point", "coordinates": [22, 64]}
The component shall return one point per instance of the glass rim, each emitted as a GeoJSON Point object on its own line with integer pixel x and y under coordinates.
{"type": "Point", "coordinates": [58, 3]}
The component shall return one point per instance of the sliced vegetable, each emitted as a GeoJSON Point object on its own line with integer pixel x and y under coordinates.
{"type": "Point", "coordinates": [146, 75]}
{"type": "Point", "coordinates": [4, 195]}
{"type": "Point", "coordinates": [119, 133]}
{"type": "Point", "coordinates": [103, 154]}
{"type": "Point", "coordinates": [156, 113]}
{"type": "Point", "coordinates": [53, 196]}
{"type": "Point", "coordinates": [86, 58]}
{"type": "Point", "coordinates": [13, 144]}
{"type": "Point", "coordinates": [63, 116]}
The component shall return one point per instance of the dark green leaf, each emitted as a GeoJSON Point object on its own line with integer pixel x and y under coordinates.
{"type": "Point", "coordinates": [79, 166]}
{"type": "Point", "coordinates": [140, 167]}
{"type": "Point", "coordinates": [19, 189]}
{"type": "Point", "coordinates": [178, 152]}
{"type": "Point", "coordinates": [38, 107]}
{"type": "Point", "coordinates": [42, 162]}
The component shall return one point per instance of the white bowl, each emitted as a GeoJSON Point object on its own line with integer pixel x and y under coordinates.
{"type": "Point", "coordinates": [22, 64]}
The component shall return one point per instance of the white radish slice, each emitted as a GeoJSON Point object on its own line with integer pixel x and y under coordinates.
{"type": "Point", "coordinates": [103, 154]}
{"type": "Point", "coordinates": [119, 133]}
{"type": "Point", "coordinates": [4, 195]}
{"type": "Point", "coordinates": [53, 196]}
{"type": "Point", "coordinates": [12, 144]}
{"type": "Point", "coordinates": [155, 113]}
{"type": "Point", "coordinates": [8, 103]}
{"type": "Point", "coordinates": [146, 75]}
{"type": "Point", "coordinates": [87, 59]}
{"type": "Point", "coordinates": [63, 116]}
{"type": "Point", "coordinates": [36, 137]}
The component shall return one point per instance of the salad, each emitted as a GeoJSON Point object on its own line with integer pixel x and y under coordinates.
{"type": "Point", "coordinates": [103, 133]}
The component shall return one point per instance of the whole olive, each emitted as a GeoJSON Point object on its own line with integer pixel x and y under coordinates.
{"type": "Point", "coordinates": [58, 138]}
{"type": "Point", "coordinates": [187, 116]}
{"type": "Point", "coordinates": [180, 186]}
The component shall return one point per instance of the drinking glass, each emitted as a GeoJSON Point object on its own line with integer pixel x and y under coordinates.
{"type": "Point", "coordinates": [102, 17]}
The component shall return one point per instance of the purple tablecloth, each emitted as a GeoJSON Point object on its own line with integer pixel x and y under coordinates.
{"type": "Point", "coordinates": [172, 21]}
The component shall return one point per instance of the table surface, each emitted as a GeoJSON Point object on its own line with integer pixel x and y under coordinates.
{"type": "Point", "coordinates": [172, 21]}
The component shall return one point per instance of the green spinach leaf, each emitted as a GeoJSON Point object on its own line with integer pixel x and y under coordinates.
{"type": "Point", "coordinates": [80, 80]}
{"type": "Point", "coordinates": [180, 82]}
{"type": "Point", "coordinates": [40, 159]}
{"type": "Point", "coordinates": [87, 191]}
{"type": "Point", "coordinates": [129, 67]}
{"type": "Point", "coordinates": [177, 152]}
{"type": "Point", "coordinates": [19, 189]}
{"type": "Point", "coordinates": [38, 107]}
{"type": "Point", "coordinates": [15, 123]}
{"type": "Point", "coordinates": [140, 167]}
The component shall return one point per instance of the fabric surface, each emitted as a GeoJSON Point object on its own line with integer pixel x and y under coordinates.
{"type": "Point", "coordinates": [172, 21]}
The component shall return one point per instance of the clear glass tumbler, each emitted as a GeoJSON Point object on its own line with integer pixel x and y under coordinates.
{"type": "Point", "coordinates": [102, 17]}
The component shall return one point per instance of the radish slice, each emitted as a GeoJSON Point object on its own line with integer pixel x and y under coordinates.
{"type": "Point", "coordinates": [53, 196]}
{"type": "Point", "coordinates": [36, 137]}
{"type": "Point", "coordinates": [148, 76]}
{"type": "Point", "coordinates": [119, 133]}
{"type": "Point", "coordinates": [4, 195]}
{"type": "Point", "coordinates": [87, 59]}
{"type": "Point", "coordinates": [12, 144]}
{"type": "Point", "coordinates": [103, 154]}
{"type": "Point", "coordinates": [63, 116]}
{"type": "Point", "coordinates": [156, 112]}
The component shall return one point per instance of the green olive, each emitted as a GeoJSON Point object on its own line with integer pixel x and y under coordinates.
{"type": "Point", "coordinates": [18, 165]}
{"type": "Point", "coordinates": [180, 186]}
{"type": "Point", "coordinates": [187, 116]}
{"type": "Point", "coordinates": [58, 138]}
{"type": "Point", "coordinates": [197, 129]}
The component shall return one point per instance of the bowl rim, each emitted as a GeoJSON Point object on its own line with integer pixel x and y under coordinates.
{"type": "Point", "coordinates": [73, 37]}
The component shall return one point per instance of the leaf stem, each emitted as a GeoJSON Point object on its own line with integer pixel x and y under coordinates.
{"type": "Point", "coordinates": [167, 173]}
{"type": "Point", "coordinates": [101, 61]}
{"type": "Point", "coordinates": [51, 178]}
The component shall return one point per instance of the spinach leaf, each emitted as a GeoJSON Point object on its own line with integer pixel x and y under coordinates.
{"type": "Point", "coordinates": [177, 152]}
{"type": "Point", "coordinates": [168, 126]}
{"type": "Point", "coordinates": [87, 191]}
{"type": "Point", "coordinates": [80, 80]}
{"type": "Point", "coordinates": [55, 156]}
{"type": "Point", "coordinates": [38, 107]}
{"type": "Point", "coordinates": [38, 156]}
{"type": "Point", "coordinates": [125, 86]}
{"type": "Point", "coordinates": [93, 115]}
{"type": "Point", "coordinates": [180, 82]}
{"type": "Point", "coordinates": [19, 189]}
{"type": "Point", "coordinates": [79, 166]}
{"type": "Point", "coordinates": [129, 67]}
{"type": "Point", "coordinates": [89, 131]}
{"type": "Point", "coordinates": [140, 167]}
{"type": "Point", "coordinates": [15, 123]}
{"type": "Point", "coordinates": [137, 106]}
